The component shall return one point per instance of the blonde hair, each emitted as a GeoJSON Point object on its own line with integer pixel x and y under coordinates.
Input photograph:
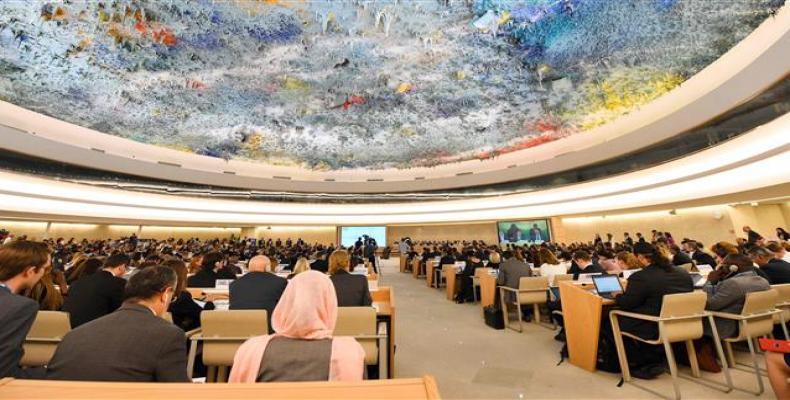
{"type": "Point", "coordinates": [301, 266]}
{"type": "Point", "coordinates": [547, 256]}
{"type": "Point", "coordinates": [629, 259]}
{"type": "Point", "coordinates": [338, 260]}
{"type": "Point", "coordinates": [494, 258]}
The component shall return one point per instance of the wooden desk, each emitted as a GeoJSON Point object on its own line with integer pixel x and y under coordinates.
{"type": "Point", "coordinates": [416, 266]}
{"type": "Point", "coordinates": [418, 388]}
{"type": "Point", "coordinates": [451, 276]}
{"type": "Point", "coordinates": [403, 263]}
{"type": "Point", "coordinates": [430, 266]}
{"type": "Point", "coordinates": [384, 300]}
{"type": "Point", "coordinates": [581, 311]}
{"type": "Point", "coordinates": [487, 290]}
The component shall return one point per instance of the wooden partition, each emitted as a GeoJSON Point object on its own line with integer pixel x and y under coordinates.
{"type": "Point", "coordinates": [582, 311]}
{"type": "Point", "coordinates": [419, 388]}
{"type": "Point", "coordinates": [384, 301]}
{"type": "Point", "coordinates": [487, 290]}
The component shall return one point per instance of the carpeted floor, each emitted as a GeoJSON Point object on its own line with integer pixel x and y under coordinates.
{"type": "Point", "coordinates": [470, 360]}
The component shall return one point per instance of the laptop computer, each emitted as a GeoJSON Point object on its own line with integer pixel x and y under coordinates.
{"type": "Point", "coordinates": [607, 285]}
{"type": "Point", "coordinates": [698, 279]}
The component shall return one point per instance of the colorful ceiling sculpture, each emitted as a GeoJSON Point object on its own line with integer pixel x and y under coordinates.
{"type": "Point", "coordinates": [357, 83]}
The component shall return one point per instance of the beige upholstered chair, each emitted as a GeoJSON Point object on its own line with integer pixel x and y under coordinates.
{"type": "Point", "coordinates": [783, 305]}
{"type": "Point", "coordinates": [531, 290]}
{"type": "Point", "coordinates": [755, 320]}
{"type": "Point", "coordinates": [680, 321]}
{"type": "Point", "coordinates": [222, 332]}
{"type": "Point", "coordinates": [360, 322]}
{"type": "Point", "coordinates": [45, 334]}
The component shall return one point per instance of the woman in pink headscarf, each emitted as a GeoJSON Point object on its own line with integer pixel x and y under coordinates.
{"type": "Point", "coordinates": [303, 348]}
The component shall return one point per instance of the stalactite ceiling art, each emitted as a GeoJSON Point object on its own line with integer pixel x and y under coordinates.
{"type": "Point", "coordinates": [357, 83]}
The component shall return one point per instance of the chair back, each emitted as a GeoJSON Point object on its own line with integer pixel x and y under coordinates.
{"type": "Point", "coordinates": [782, 302]}
{"type": "Point", "coordinates": [755, 307]}
{"type": "Point", "coordinates": [359, 321]}
{"type": "Point", "coordinates": [682, 305]}
{"type": "Point", "coordinates": [45, 334]}
{"type": "Point", "coordinates": [687, 266]}
{"type": "Point", "coordinates": [236, 324]}
{"type": "Point", "coordinates": [538, 287]}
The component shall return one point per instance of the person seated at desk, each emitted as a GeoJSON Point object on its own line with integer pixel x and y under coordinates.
{"type": "Point", "coordinates": [727, 287]}
{"type": "Point", "coordinates": [550, 264]}
{"type": "Point", "coordinates": [209, 272]}
{"type": "Point", "coordinates": [678, 256]}
{"type": "Point", "coordinates": [259, 289]}
{"type": "Point", "coordinates": [644, 294]}
{"type": "Point", "coordinates": [777, 270]}
{"type": "Point", "coordinates": [627, 261]}
{"type": "Point", "coordinates": [320, 264]}
{"type": "Point", "coordinates": [697, 255]}
{"type": "Point", "coordinates": [352, 290]}
{"type": "Point", "coordinates": [133, 344]}
{"type": "Point", "coordinates": [582, 264]}
{"type": "Point", "coordinates": [185, 312]}
{"type": "Point", "coordinates": [447, 258]}
{"type": "Point", "coordinates": [510, 273]}
{"type": "Point", "coordinates": [494, 259]}
{"type": "Point", "coordinates": [302, 265]}
{"type": "Point", "coordinates": [608, 263]}
{"type": "Point", "coordinates": [466, 294]}
{"type": "Point", "coordinates": [303, 349]}
{"type": "Point", "coordinates": [97, 295]}
{"type": "Point", "coordinates": [22, 264]}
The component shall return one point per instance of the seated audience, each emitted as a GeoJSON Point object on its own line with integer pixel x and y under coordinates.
{"type": "Point", "coordinates": [510, 273]}
{"type": "Point", "coordinates": [627, 260]}
{"type": "Point", "coordinates": [320, 264]}
{"type": "Point", "coordinates": [185, 312]}
{"type": "Point", "coordinates": [776, 269]}
{"type": "Point", "coordinates": [644, 294]}
{"type": "Point", "coordinates": [22, 264]}
{"type": "Point", "coordinates": [85, 268]}
{"type": "Point", "coordinates": [493, 260]}
{"type": "Point", "coordinates": [303, 349]}
{"type": "Point", "coordinates": [133, 344]}
{"type": "Point", "coordinates": [208, 274]}
{"type": "Point", "coordinates": [678, 256]}
{"type": "Point", "coordinates": [45, 294]}
{"type": "Point", "coordinates": [582, 264]}
{"type": "Point", "coordinates": [779, 251]}
{"type": "Point", "coordinates": [466, 292]}
{"type": "Point", "coordinates": [550, 264]}
{"type": "Point", "coordinates": [97, 295]}
{"type": "Point", "coordinates": [697, 255]}
{"type": "Point", "coordinates": [352, 290]}
{"type": "Point", "coordinates": [259, 289]}
{"type": "Point", "coordinates": [608, 263]}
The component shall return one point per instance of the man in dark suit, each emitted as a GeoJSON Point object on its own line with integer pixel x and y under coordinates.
{"type": "Point", "coordinates": [97, 295]}
{"type": "Point", "coordinates": [777, 270]}
{"type": "Point", "coordinates": [698, 256]}
{"type": "Point", "coordinates": [22, 264]}
{"type": "Point", "coordinates": [259, 289]}
{"type": "Point", "coordinates": [678, 256]}
{"type": "Point", "coordinates": [209, 271]}
{"type": "Point", "coordinates": [582, 264]}
{"type": "Point", "coordinates": [133, 344]}
{"type": "Point", "coordinates": [352, 290]}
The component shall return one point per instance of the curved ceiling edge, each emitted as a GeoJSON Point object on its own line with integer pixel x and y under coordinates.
{"type": "Point", "coordinates": [754, 64]}
{"type": "Point", "coordinates": [761, 155]}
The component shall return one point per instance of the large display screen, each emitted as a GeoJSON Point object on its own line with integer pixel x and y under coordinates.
{"type": "Point", "coordinates": [350, 234]}
{"type": "Point", "coordinates": [524, 232]}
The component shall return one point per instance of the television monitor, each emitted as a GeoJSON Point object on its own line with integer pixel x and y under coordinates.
{"type": "Point", "coordinates": [524, 232]}
{"type": "Point", "coordinates": [350, 234]}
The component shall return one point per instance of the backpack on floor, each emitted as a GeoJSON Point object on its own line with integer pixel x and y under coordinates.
{"type": "Point", "coordinates": [493, 317]}
{"type": "Point", "coordinates": [607, 359]}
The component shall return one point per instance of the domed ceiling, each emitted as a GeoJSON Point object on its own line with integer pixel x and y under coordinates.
{"type": "Point", "coordinates": [358, 83]}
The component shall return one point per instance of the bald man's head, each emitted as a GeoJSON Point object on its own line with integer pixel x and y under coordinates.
{"type": "Point", "coordinates": [259, 264]}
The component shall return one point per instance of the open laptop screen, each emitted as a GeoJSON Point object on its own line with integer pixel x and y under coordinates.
{"type": "Point", "coordinates": [607, 284]}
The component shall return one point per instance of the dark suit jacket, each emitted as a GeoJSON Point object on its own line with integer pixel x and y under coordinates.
{"type": "Point", "coordinates": [185, 312]}
{"type": "Point", "coordinates": [205, 278]}
{"type": "Point", "coordinates": [129, 345]}
{"type": "Point", "coordinates": [352, 290]}
{"type": "Point", "coordinates": [703, 258]}
{"type": "Point", "coordinates": [645, 294]}
{"type": "Point", "coordinates": [778, 271]}
{"type": "Point", "coordinates": [257, 291]}
{"type": "Point", "coordinates": [681, 258]}
{"type": "Point", "coordinates": [93, 296]}
{"type": "Point", "coordinates": [320, 265]}
{"type": "Point", "coordinates": [593, 268]}
{"type": "Point", "coordinates": [17, 314]}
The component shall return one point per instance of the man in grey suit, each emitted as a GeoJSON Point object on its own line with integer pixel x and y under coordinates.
{"type": "Point", "coordinates": [22, 264]}
{"type": "Point", "coordinates": [511, 271]}
{"type": "Point", "coordinates": [133, 344]}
